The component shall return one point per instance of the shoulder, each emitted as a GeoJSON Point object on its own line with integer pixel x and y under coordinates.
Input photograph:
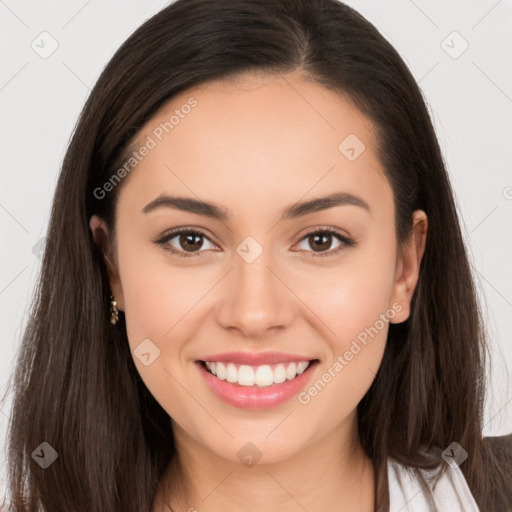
{"type": "Point", "coordinates": [449, 492]}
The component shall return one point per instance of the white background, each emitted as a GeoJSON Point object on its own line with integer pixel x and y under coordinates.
{"type": "Point", "coordinates": [470, 99]}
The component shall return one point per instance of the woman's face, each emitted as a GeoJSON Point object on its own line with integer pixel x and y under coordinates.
{"type": "Point", "coordinates": [256, 279]}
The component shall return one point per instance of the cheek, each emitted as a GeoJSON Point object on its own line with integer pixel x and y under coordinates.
{"type": "Point", "coordinates": [155, 301]}
{"type": "Point", "coordinates": [162, 302]}
{"type": "Point", "coordinates": [352, 309]}
{"type": "Point", "coordinates": [154, 291]}
{"type": "Point", "coordinates": [151, 298]}
{"type": "Point", "coordinates": [357, 313]}
{"type": "Point", "coordinates": [356, 304]}
{"type": "Point", "coordinates": [353, 295]}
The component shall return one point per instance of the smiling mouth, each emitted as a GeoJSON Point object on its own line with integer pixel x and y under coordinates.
{"type": "Point", "coordinates": [265, 375]}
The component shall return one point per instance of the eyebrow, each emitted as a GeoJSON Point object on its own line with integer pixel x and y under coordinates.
{"type": "Point", "coordinates": [214, 211]}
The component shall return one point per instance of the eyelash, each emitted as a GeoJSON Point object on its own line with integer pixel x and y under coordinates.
{"type": "Point", "coordinates": [164, 239]}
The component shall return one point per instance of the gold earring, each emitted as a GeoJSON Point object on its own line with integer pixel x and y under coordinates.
{"type": "Point", "coordinates": [114, 317]}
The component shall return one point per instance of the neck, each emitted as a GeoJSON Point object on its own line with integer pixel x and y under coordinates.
{"type": "Point", "coordinates": [331, 474]}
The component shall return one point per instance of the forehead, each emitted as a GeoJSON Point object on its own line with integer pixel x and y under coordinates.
{"type": "Point", "coordinates": [264, 138]}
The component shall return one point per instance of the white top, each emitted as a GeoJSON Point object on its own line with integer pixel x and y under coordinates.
{"type": "Point", "coordinates": [451, 493]}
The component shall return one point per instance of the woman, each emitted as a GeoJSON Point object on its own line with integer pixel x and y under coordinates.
{"type": "Point", "coordinates": [255, 293]}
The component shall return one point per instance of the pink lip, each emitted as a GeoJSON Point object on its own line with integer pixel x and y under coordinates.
{"type": "Point", "coordinates": [253, 397]}
{"type": "Point", "coordinates": [255, 359]}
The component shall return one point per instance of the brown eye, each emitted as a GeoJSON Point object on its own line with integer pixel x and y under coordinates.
{"type": "Point", "coordinates": [321, 240]}
{"type": "Point", "coordinates": [181, 242]}
{"type": "Point", "coordinates": [190, 241]}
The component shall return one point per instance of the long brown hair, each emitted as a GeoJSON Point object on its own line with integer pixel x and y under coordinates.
{"type": "Point", "coordinates": [75, 385]}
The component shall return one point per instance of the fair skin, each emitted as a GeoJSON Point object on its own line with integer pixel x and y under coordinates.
{"type": "Point", "coordinates": [255, 147]}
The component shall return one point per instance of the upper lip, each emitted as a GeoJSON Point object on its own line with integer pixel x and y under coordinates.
{"type": "Point", "coordinates": [255, 359]}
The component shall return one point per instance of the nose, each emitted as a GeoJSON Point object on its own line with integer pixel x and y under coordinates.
{"type": "Point", "coordinates": [255, 298]}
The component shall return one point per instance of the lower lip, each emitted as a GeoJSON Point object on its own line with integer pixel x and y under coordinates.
{"type": "Point", "coordinates": [253, 397]}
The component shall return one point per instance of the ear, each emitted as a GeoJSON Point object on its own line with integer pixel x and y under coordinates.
{"type": "Point", "coordinates": [102, 240]}
{"type": "Point", "coordinates": [408, 266]}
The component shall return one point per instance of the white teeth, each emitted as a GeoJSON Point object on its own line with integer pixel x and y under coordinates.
{"type": "Point", "coordinates": [261, 376]}
{"type": "Point", "coordinates": [221, 371]}
{"type": "Point", "coordinates": [245, 375]}
{"type": "Point", "coordinates": [291, 371]}
{"type": "Point", "coordinates": [231, 373]}
{"type": "Point", "coordinates": [302, 366]}
{"type": "Point", "coordinates": [264, 376]}
{"type": "Point", "coordinates": [279, 374]}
